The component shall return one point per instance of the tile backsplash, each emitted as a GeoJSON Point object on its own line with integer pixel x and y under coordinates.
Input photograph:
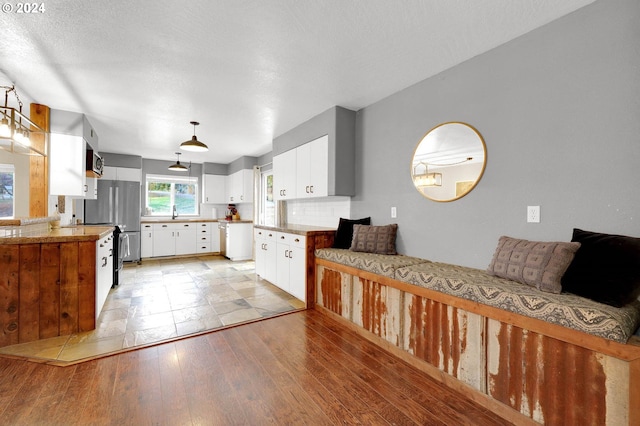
{"type": "Point", "coordinates": [325, 212]}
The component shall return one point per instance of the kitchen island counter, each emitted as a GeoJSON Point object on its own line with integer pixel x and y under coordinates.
{"type": "Point", "coordinates": [57, 235]}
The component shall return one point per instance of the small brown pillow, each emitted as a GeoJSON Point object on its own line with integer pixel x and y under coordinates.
{"type": "Point", "coordinates": [538, 264]}
{"type": "Point", "coordinates": [374, 239]}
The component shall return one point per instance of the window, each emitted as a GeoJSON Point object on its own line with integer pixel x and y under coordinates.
{"type": "Point", "coordinates": [164, 192]}
{"type": "Point", "coordinates": [267, 205]}
{"type": "Point", "coordinates": [7, 182]}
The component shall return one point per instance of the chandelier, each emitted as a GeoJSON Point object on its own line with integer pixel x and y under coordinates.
{"type": "Point", "coordinates": [16, 130]}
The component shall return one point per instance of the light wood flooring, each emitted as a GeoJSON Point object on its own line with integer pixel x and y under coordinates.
{"type": "Point", "coordinates": [299, 368]}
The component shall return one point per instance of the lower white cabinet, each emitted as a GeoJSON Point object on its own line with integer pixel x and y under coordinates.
{"type": "Point", "coordinates": [265, 252]}
{"type": "Point", "coordinates": [178, 238]}
{"type": "Point", "coordinates": [291, 264]}
{"type": "Point", "coordinates": [238, 244]}
{"type": "Point", "coordinates": [146, 240]}
{"type": "Point", "coordinates": [164, 239]}
{"type": "Point", "coordinates": [281, 258]}
{"type": "Point", "coordinates": [104, 271]}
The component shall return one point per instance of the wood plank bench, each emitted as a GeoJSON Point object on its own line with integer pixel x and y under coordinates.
{"type": "Point", "coordinates": [548, 370]}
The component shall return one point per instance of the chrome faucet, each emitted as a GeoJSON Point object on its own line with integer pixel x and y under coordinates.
{"type": "Point", "coordinates": [175, 213]}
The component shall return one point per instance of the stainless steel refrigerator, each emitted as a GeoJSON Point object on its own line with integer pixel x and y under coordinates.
{"type": "Point", "coordinates": [118, 204]}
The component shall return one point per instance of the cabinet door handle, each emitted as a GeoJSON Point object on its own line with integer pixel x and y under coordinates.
{"type": "Point", "coordinates": [297, 240]}
{"type": "Point", "coordinates": [290, 254]}
{"type": "Point", "coordinates": [306, 189]}
{"type": "Point", "coordinates": [286, 253]}
{"type": "Point", "coordinates": [104, 261]}
{"type": "Point", "coordinates": [311, 188]}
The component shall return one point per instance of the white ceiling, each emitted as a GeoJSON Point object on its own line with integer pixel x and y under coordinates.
{"type": "Point", "coordinates": [248, 71]}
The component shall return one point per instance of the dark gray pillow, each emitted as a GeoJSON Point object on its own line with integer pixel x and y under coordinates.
{"type": "Point", "coordinates": [375, 239]}
{"type": "Point", "coordinates": [538, 264]}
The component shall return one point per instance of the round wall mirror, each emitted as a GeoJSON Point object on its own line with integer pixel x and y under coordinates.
{"type": "Point", "coordinates": [448, 162]}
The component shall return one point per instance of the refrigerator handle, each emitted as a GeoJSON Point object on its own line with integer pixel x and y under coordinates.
{"type": "Point", "coordinates": [110, 204]}
{"type": "Point", "coordinates": [117, 205]}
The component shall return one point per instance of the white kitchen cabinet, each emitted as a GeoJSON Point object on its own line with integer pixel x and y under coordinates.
{"type": "Point", "coordinates": [122, 173]}
{"type": "Point", "coordinates": [179, 238]}
{"type": "Point", "coordinates": [312, 169]}
{"type": "Point", "coordinates": [284, 176]}
{"type": "Point", "coordinates": [104, 271]}
{"type": "Point", "coordinates": [67, 165]}
{"type": "Point", "coordinates": [146, 240]}
{"type": "Point", "coordinates": [302, 172]}
{"type": "Point", "coordinates": [291, 264]}
{"type": "Point", "coordinates": [203, 238]}
{"type": "Point", "coordinates": [70, 137]}
{"type": "Point", "coordinates": [92, 188]}
{"type": "Point", "coordinates": [239, 241]}
{"type": "Point", "coordinates": [265, 254]}
{"type": "Point", "coordinates": [185, 238]}
{"type": "Point", "coordinates": [164, 239]}
{"type": "Point", "coordinates": [240, 187]}
{"type": "Point", "coordinates": [214, 189]}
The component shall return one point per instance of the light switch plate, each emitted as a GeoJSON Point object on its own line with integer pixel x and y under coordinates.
{"type": "Point", "coordinates": [394, 213]}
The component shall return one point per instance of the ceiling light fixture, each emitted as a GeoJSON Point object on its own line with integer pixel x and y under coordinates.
{"type": "Point", "coordinates": [16, 129]}
{"type": "Point", "coordinates": [177, 167]}
{"type": "Point", "coordinates": [194, 144]}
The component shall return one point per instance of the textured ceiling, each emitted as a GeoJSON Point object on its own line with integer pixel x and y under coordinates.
{"type": "Point", "coordinates": [248, 71]}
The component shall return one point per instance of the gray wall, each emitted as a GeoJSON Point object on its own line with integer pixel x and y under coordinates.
{"type": "Point", "coordinates": [559, 110]}
{"type": "Point", "coordinates": [122, 160]}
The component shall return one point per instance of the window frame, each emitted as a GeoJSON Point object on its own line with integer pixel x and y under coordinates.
{"type": "Point", "coordinates": [172, 180]}
{"type": "Point", "coordinates": [10, 168]}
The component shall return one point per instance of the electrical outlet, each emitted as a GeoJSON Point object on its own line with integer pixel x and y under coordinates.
{"type": "Point", "coordinates": [394, 213]}
{"type": "Point", "coordinates": [533, 214]}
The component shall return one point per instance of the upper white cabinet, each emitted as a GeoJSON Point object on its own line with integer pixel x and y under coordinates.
{"type": "Point", "coordinates": [214, 189]}
{"type": "Point", "coordinates": [71, 136]}
{"type": "Point", "coordinates": [122, 173]}
{"type": "Point", "coordinates": [67, 165]}
{"type": "Point", "coordinates": [312, 173]}
{"type": "Point", "coordinates": [303, 172]}
{"type": "Point", "coordinates": [284, 179]}
{"type": "Point", "coordinates": [240, 187]}
{"type": "Point", "coordinates": [317, 158]}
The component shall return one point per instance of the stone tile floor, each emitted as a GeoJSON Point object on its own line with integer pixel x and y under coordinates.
{"type": "Point", "coordinates": [164, 299]}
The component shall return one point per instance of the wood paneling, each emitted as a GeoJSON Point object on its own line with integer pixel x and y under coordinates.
{"type": "Point", "coordinates": [87, 286]}
{"type": "Point", "coordinates": [46, 290]}
{"type": "Point", "coordinates": [9, 293]}
{"type": "Point", "coordinates": [69, 266]}
{"type": "Point", "coordinates": [49, 290]}
{"type": "Point", "coordinates": [546, 377]}
{"type": "Point", "coordinates": [29, 291]}
{"type": "Point", "coordinates": [38, 173]}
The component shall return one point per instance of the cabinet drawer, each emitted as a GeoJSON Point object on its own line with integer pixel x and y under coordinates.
{"type": "Point", "coordinates": [163, 226]}
{"type": "Point", "coordinates": [204, 226]}
{"type": "Point", "coordinates": [203, 247]}
{"type": "Point", "coordinates": [293, 240]}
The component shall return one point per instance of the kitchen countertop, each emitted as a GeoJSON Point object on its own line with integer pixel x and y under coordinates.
{"type": "Point", "coordinates": [21, 221]}
{"type": "Point", "coordinates": [178, 220]}
{"type": "Point", "coordinates": [297, 229]}
{"type": "Point", "coordinates": [59, 235]}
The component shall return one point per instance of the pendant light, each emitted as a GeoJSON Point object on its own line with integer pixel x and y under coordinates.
{"type": "Point", "coordinates": [178, 167]}
{"type": "Point", "coordinates": [194, 144]}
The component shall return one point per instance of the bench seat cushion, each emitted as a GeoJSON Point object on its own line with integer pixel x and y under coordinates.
{"type": "Point", "coordinates": [381, 264]}
{"type": "Point", "coordinates": [564, 309]}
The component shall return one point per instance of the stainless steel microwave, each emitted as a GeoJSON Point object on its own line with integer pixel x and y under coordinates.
{"type": "Point", "coordinates": [95, 165]}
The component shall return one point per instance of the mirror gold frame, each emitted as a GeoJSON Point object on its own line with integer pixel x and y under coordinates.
{"type": "Point", "coordinates": [449, 161]}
